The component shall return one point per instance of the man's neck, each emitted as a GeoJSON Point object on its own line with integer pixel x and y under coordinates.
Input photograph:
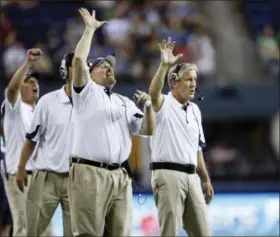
{"type": "Point", "coordinates": [68, 90]}
{"type": "Point", "coordinates": [31, 104]}
{"type": "Point", "coordinates": [179, 99]}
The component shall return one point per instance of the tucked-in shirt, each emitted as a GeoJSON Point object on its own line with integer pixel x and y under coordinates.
{"type": "Point", "coordinates": [179, 133]}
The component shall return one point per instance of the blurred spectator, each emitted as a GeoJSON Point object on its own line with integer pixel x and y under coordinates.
{"type": "Point", "coordinates": [203, 54]}
{"type": "Point", "coordinates": [24, 5]}
{"type": "Point", "coordinates": [278, 38]}
{"type": "Point", "coordinates": [5, 27]}
{"type": "Point", "coordinates": [224, 159]}
{"type": "Point", "coordinates": [119, 28]}
{"type": "Point", "coordinates": [44, 66]}
{"type": "Point", "coordinates": [74, 30]}
{"type": "Point", "coordinates": [269, 50]}
{"type": "Point", "coordinates": [182, 48]}
{"type": "Point", "coordinates": [13, 57]}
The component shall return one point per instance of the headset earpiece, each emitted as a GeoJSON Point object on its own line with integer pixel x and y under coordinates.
{"type": "Point", "coordinates": [174, 77]}
{"type": "Point", "coordinates": [63, 69]}
{"type": "Point", "coordinates": [65, 63]}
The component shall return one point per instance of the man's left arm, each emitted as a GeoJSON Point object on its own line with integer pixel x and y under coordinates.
{"type": "Point", "coordinates": [143, 123]}
{"type": "Point", "coordinates": [148, 124]}
{"type": "Point", "coordinates": [204, 176]}
{"type": "Point", "coordinates": [149, 121]}
{"type": "Point", "coordinates": [201, 167]}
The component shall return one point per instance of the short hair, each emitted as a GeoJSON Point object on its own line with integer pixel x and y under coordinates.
{"type": "Point", "coordinates": [179, 69]}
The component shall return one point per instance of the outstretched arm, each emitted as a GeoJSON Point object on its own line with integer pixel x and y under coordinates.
{"type": "Point", "coordinates": [167, 59]}
{"type": "Point", "coordinates": [83, 47]}
{"type": "Point", "coordinates": [13, 89]}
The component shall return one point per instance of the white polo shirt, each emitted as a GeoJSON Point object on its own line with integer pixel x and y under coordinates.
{"type": "Point", "coordinates": [103, 124]}
{"type": "Point", "coordinates": [52, 129]}
{"type": "Point", "coordinates": [17, 120]}
{"type": "Point", "coordinates": [179, 133]}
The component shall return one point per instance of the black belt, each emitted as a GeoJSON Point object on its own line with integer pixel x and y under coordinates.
{"type": "Point", "coordinates": [189, 168]}
{"type": "Point", "coordinates": [107, 166]}
{"type": "Point", "coordinates": [29, 172]}
{"type": "Point", "coordinates": [64, 174]}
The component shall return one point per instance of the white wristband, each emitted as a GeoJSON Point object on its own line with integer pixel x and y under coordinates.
{"type": "Point", "coordinates": [148, 104]}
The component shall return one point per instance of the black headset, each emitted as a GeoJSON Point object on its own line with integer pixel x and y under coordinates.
{"type": "Point", "coordinates": [66, 62]}
{"type": "Point", "coordinates": [175, 77]}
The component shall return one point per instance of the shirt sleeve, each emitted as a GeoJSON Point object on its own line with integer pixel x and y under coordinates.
{"type": "Point", "coordinates": [135, 117]}
{"type": "Point", "coordinates": [80, 99]}
{"type": "Point", "coordinates": [39, 121]}
{"type": "Point", "coordinates": [201, 142]}
{"type": "Point", "coordinates": [12, 109]}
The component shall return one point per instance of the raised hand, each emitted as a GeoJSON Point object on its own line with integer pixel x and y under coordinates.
{"type": "Point", "coordinates": [33, 55]}
{"type": "Point", "coordinates": [167, 56]}
{"type": "Point", "coordinates": [90, 20]}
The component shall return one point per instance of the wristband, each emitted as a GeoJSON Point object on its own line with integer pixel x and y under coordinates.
{"type": "Point", "coordinates": [148, 104]}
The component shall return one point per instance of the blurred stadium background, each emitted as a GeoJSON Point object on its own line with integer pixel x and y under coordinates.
{"type": "Point", "coordinates": [236, 47]}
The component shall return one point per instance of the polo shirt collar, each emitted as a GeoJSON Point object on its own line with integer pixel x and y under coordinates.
{"type": "Point", "coordinates": [176, 102]}
{"type": "Point", "coordinates": [63, 97]}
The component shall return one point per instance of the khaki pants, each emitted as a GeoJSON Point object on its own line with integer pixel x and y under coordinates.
{"type": "Point", "coordinates": [46, 192]}
{"type": "Point", "coordinates": [100, 199]}
{"type": "Point", "coordinates": [17, 203]}
{"type": "Point", "coordinates": [180, 202]}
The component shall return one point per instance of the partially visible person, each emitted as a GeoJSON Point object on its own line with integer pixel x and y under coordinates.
{"type": "Point", "coordinates": [51, 130]}
{"type": "Point", "coordinates": [21, 96]}
{"type": "Point", "coordinates": [5, 212]}
{"type": "Point", "coordinates": [269, 50]}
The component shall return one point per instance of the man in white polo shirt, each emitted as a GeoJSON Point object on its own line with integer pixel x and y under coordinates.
{"type": "Point", "coordinates": [51, 130]}
{"type": "Point", "coordinates": [100, 188]}
{"type": "Point", "coordinates": [20, 99]}
{"type": "Point", "coordinates": [177, 159]}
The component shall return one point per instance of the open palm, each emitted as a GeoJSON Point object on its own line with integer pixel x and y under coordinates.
{"type": "Point", "coordinates": [90, 20]}
{"type": "Point", "coordinates": [167, 56]}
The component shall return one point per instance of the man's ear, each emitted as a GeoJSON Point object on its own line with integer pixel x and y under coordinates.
{"type": "Point", "coordinates": [173, 83]}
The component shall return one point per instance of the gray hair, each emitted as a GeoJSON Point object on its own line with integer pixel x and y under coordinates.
{"type": "Point", "coordinates": [182, 67]}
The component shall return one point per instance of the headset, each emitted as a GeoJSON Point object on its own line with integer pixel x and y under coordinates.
{"type": "Point", "coordinates": [65, 63]}
{"type": "Point", "coordinates": [175, 77]}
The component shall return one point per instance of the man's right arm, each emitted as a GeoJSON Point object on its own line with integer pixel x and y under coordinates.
{"type": "Point", "coordinates": [83, 47]}
{"type": "Point", "coordinates": [14, 86]}
{"type": "Point", "coordinates": [26, 152]}
{"type": "Point", "coordinates": [36, 130]}
{"type": "Point", "coordinates": [156, 86]}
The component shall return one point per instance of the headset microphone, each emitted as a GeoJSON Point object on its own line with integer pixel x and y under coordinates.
{"type": "Point", "coordinates": [200, 95]}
